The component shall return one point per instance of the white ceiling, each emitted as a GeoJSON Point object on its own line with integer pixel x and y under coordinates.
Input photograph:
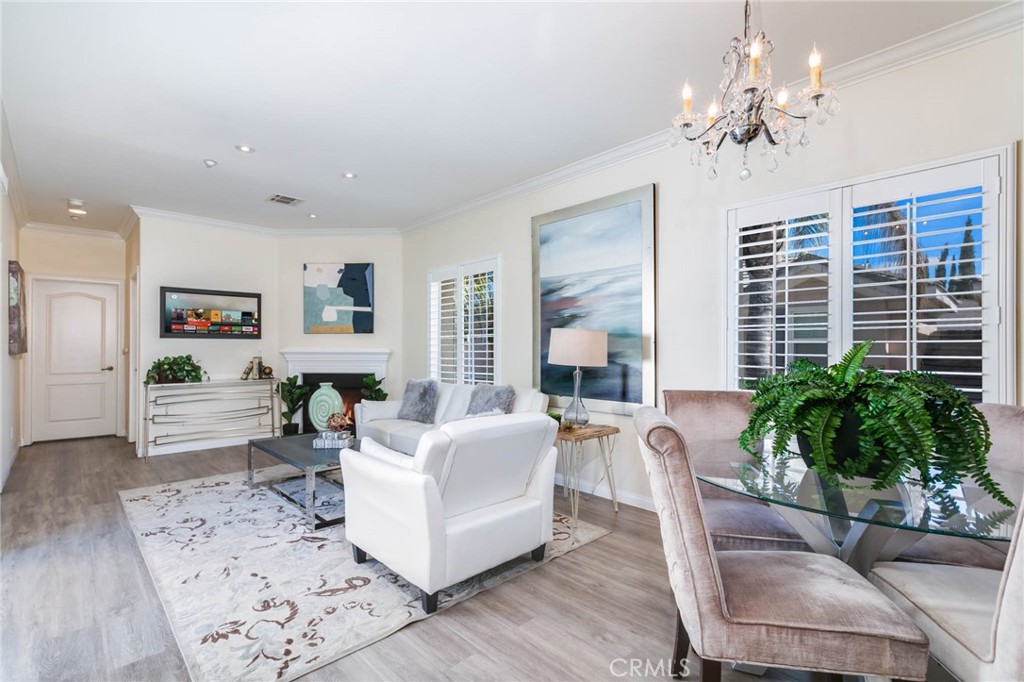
{"type": "Point", "coordinates": [432, 104]}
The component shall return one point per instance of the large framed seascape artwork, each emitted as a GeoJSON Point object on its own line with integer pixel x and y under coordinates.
{"type": "Point", "coordinates": [593, 268]}
{"type": "Point", "coordinates": [337, 298]}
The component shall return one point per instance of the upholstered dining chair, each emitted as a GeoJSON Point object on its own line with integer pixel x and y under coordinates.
{"type": "Point", "coordinates": [779, 609]}
{"type": "Point", "coordinates": [974, 617]}
{"type": "Point", "coordinates": [1006, 426]}
{"type": "Point", "coordinates": [711, 422]}
{"type": "Point", "coordinates": [477, 493]}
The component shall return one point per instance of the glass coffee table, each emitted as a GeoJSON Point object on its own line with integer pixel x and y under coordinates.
{"type": "Point", "coordinates": [321, 469]}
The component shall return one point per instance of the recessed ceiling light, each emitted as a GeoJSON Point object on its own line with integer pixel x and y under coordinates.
{"type": "Point", "coordinates": [244, 148]}
{"type": "Point", "coordinates": [76, 217]}
{"type": "Point", "coordinates": [312, 215]}
{"type": "Point", "coordinates": [209, 163]}
{"type": "Point", "coordinates": [350, 176]}
{"type": "Point", "coordinates": [76, 207]}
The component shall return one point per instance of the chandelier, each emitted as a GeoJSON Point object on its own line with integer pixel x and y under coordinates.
{"type": "Point", "coordinates": [750, 108]}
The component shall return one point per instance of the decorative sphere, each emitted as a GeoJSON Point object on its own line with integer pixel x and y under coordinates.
{"type": "Point", "coordinates": [336, 422]}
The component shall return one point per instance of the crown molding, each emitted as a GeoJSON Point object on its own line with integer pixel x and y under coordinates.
{"type": "Point", "coordinates": [958, 36]}
{"type": "Point", "coordinates": [612, 157]}
{"type": "Point", "coordinates": [283, 232]}
{"type": "Point", "coordinates": [982, 27]}
{"type": "Point", "coordinates": [128, 224]}
{"type": "Point", "coordinates": [47, 228]}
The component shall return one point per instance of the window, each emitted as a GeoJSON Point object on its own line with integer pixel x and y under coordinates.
{"type": "Point", "coordinates": [463, 314]}
{"type": "Point", "coordinates": [921, 263]}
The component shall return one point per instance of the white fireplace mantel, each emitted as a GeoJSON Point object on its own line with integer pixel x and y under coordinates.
{"type": "Point", "coordinates": [337, 361]}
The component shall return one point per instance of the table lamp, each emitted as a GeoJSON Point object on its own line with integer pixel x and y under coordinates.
{"type": "Point", "coordinates": [578, 348]}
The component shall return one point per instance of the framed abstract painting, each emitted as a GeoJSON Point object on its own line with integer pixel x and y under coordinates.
{"type": "Point", "coordinates": [17, 336]}
{"type": "Point", "coordinates": [337, 298]}
{"type": "Point", "coordinates": [594, 269]}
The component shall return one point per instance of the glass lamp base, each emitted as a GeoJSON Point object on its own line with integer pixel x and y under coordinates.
{"type": "Point", "coordinates": [575, 413]}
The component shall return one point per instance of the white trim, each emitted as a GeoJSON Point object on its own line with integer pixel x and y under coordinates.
{"type": "Point", "coordinates": [3, 178]}
{"type": "Point", "coordinates": [604, 492]}
{"type": "Point", "coordinates": [128, 225]}
{"type": "Point", "coordinates": [340, 361]}
{"type": "Point", "coordinates": [26, 388]}
{"type": "Point", "coordinates": [948, 39]}
{"type": "Point", "coordinates": [160, 214]}
{"type": "Point", "coordinates": [49, 228]}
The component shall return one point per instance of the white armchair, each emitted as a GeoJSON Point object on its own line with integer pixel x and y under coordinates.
{"type": "Point", "coordinates": [478, 492]}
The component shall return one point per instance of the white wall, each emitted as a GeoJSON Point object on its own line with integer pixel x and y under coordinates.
{"type": "Point", "coordinates": [46, 252]}
{"type": "Point", "coordinates": [386, 255]}
{"type": "Point", "coordinates": [184, 253]}
{"type": "Point", "coordinates": [955, 104]}
{"type": "Point", "coordinates": [10, 366]}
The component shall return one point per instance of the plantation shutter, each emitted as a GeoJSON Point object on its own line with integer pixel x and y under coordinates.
{"type": "Point", "coordinates": [922, 263]}
{"type": "Point", "coordinates": [462, 330]}
{"type": "Point", "coordinates": [444, 325]}
{"type": "Point", "coordinates": [782, 278]}
{"type": "Point", "coordinates": [923, 274]}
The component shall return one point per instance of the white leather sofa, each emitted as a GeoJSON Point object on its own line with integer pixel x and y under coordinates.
{"type": "Point", "coordinates": [379, 420]}
{"type": "Point", "coordinates": [477, 493]}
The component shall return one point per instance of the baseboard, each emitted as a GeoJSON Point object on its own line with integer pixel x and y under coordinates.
{"type": "Point", "coordinates": [624, 496]}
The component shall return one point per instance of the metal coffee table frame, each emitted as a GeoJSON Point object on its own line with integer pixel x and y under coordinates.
{"type": "Point", "coordinates": [298, 452]}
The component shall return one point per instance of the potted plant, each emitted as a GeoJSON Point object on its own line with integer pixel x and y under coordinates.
{"type": "Point", "coordinates": [292, 394]}
{"type": "Point", "coordinates": [175, 369]}
{"type": "Point", "coordinates": [372, 388]}
{"type": "Point", "coordinates": [854, 421]}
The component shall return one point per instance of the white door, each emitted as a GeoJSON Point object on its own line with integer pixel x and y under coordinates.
{"type": "Point", "coordinates": [73, 342]}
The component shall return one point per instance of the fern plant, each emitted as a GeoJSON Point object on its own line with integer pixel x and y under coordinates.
{"type": "Point", "coordinates": [911, 424]}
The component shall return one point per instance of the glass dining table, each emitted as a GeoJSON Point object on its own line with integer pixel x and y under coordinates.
{"type": "Point", "coordinates": [861, 525]}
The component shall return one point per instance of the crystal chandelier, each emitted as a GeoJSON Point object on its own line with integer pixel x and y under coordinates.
{"type": "Point", "coordinates": [751, 108]}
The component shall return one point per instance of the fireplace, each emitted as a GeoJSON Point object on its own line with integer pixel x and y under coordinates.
{"type": "Point", "coordinates": [348, 385]}
{"type": "Point", "coordinates": [345, 370]}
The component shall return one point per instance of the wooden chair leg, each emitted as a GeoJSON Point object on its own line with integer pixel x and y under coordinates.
{"type": "Point", "coordinates": [358, 555]}
{"type": "Point", "coordinates": [710, 671]}
{"type": "Point", "coordinates": [681, 650]}
{"type": "Point", "coordinates": [428, 601]}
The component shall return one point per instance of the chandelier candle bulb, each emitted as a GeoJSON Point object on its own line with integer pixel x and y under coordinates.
{"type": "Point", "coordinates": [814, 61]}
{"type": "Point", "coordinates": [687, 99]}
{"type": "Point", "coordinates": [755, 59]}
{"type": "Point", "coordinates": [712, 114]}
{"type": "Point", "coordinates": [783, 99]}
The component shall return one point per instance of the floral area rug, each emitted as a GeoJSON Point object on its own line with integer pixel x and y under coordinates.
{"type": "Point", "coordinates": [252, 595]}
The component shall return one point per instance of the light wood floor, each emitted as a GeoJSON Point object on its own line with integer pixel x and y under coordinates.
{"type": "Point", "coordinates": [78, 602]}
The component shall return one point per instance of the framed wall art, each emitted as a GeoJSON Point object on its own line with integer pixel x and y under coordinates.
{"type": "Point", "coordinates": [17, 335]}
{"type": "Point", "coordinates": [337, 298]}
{"type": "Point", "coordinates": [593, 268]}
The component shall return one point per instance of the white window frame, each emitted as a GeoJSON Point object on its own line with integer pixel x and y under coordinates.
{"type": "Point", "coordinates": [1000, 348]}
{"type": "Point", "coordinates": [459, 271]}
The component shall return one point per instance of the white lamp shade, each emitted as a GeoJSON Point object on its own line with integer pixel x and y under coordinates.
{"type": "Point", "coordinates": [578, 348]}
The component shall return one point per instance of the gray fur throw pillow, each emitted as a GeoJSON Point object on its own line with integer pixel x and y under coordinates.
{"type": "Point", "coordinates": [419, 404]}
{"type": "Point", "coordinates": [486, 398]}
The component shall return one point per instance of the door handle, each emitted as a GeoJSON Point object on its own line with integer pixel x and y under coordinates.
{"type": "Point", "coordinates": [107, 369]}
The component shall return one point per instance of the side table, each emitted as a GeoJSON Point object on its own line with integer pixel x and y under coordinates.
{"type": "Point", "coordinates": [570, 451]}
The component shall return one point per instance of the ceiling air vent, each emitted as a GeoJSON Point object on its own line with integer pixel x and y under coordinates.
{"type": "Point", "coordinates": [284, 199]}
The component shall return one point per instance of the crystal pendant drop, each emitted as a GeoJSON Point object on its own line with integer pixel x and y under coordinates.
{"type": "Point", "coordinates": [712, 173]}
{"type": "Point", "coordinates": [773, 163]}
{"type": "Point", "coordinates": [745, 173]}
{"type": "Point", "coordinates": [804, 140]}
